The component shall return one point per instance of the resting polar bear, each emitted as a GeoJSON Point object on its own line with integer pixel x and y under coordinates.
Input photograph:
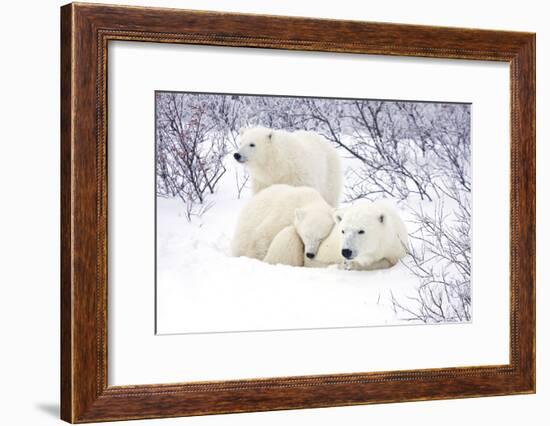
{"type": "Point", "coordinates": [286, 248]}
{"type": "Point", "coordinates": [300, 158]}
{"type": "Point", "coordinates": [368, 235]}
{"type": "Point", "coordinates": [301, 239]}
{"type": "Point", "coordinates": [271, 211]}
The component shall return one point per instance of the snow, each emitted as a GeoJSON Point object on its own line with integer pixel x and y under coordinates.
{"type": "Point", "coordinates": [201, 288]}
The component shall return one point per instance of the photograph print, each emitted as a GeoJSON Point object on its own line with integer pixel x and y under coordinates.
{"type": "Point", "coordinates": [292, 213]}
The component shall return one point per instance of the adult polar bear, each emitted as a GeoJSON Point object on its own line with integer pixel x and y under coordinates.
{"type": "Point", "coordinates": [275, 209]}
{"type": "Point", "coordinates": [368, 235]}
{"type": "Point", "coordinates": [300, 158]}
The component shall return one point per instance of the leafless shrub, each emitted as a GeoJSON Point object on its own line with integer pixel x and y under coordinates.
{"type": "Point", "coordinates": [440, 257]}
{"type": "Point", "coordinates": [241, 181]}
{"type": "Point", "coordinates": [189, 154]}
{"type": "Point", "coordinates": [405, 147]}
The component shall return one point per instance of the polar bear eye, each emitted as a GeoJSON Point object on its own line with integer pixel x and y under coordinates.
{"type": "Point", "coordinates": [342, 231]}
{"type": "Point", "coordinates": [252, 145]}
{"type": "Point", "coordinates": [361, 231]}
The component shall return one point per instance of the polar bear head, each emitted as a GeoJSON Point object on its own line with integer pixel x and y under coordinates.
{"type": "Point", "coordinates": [313, 224]}
{"type": "Point", "coordinates": [366, 229]}
{"type": "Point", "coordinates": [255, 146]}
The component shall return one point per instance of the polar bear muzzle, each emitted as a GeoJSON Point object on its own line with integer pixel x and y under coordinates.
{"type": "Point", "coordinates": [239, 157]}
{"type": "Point", "coordinates": [347, 253]}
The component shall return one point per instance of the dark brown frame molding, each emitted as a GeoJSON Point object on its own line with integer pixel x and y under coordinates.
{"type": "Point", "coordinates": [86, 30]}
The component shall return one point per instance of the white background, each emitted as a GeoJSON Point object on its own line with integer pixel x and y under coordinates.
{"type": "Point", "coordinates": [30, 210]}
{"type": "Point", "coordinates": [137, 356]}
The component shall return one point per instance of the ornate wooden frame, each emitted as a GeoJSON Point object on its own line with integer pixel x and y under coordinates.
{"type": "Point", "coordinates": [86, 30]}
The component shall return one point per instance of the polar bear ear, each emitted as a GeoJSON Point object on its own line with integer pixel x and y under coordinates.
{"type": "Point", "coordinates": [270, 135]}
{"type": "Point", "coordinates": [381, 218]}
{"type": "Point", "coordinates": [337, 215]}
{"type": "Point", "coordinates": [241, 130]}
{"type": "Point", "coordinates": [299, 214]}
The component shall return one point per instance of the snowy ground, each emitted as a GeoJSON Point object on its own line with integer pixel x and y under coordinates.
{"type": "Point", "coordinates": [200, 288]}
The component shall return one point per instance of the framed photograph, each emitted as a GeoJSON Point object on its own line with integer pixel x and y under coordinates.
{"type": "Point", "coordinates": [266, 213]}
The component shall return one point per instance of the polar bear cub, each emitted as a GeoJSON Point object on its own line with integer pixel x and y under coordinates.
{"type": "Point", "coordinates": [272, 210]}
{"type": "Point", "coordinates": [368, 235]}
{"type": "Point", "coordinates": [286, 248]}
{"type": "Point", "coordinates": [301, 240]}
{"type": "Point", "coordinates": [300, 158]}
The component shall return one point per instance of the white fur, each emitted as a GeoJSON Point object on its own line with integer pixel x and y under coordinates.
{"type": "Point", "coordinates": [382, 243]}
{"type": "Point", "coordinates": [286, 248]}
{"type": "Point", "coordinates": [268, 213]}
{"type": "Point", "coordinates": [300, 158]}
{"type": "Point", "coordinates": [312, 224]}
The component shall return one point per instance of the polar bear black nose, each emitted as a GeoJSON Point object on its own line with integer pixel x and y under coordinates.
{"type": "Point", "coordinates": [346, 253]}
{"type": "Point", "coordinates": [237, 156]}
{"type": "Point", "coordinates": [310, 255]}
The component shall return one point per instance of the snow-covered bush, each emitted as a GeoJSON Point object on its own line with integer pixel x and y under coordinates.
{"type": "Point", "coordinates": [440, 257]}
{"type": "Point", "coordinates": [189, 152]}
